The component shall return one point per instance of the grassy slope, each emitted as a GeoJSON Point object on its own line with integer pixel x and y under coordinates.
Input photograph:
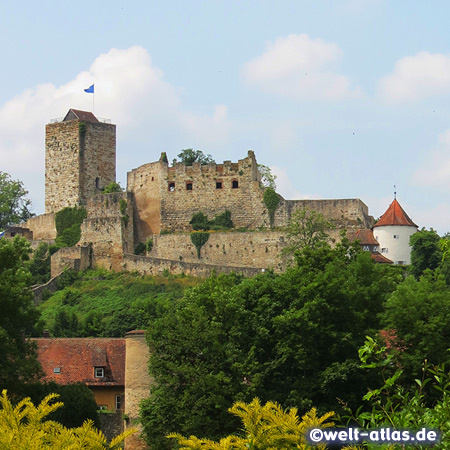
{"type": "Point", "coordinates": [112, 302]}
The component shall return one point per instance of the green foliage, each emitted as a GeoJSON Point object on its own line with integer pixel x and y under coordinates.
{"type": "Point", "coordinates": [265, 427]}
{"type": "Point", "coordinates": [79, 402]}
{"type": "Point", "coordinates": [40, 264]}
{"type": "Point", "coordinates": [267, 177]}
{"type": "Point", "coordinates": [199, 221]}
{"type": "Point", "coordinates": [189, 156]}
{"type": "Point", "coordinates": [123, 211]}
{"type": "Point", "coordinates": [425, 251]}
{"type": "Point", "coordinates": [24, 427]}
{"type": "Point", "coordinates": [14, 204]}
{"type": "Point", "coordinates": [18, 362]}
{"type": "Point", "coordinates": [112, 187]}
{"type": "Point", "coordinates": [419, 312]}
{"type": "Point", "coordinates": [307, 228]}
{"type": "Point", "coordinates": [140, 249]}
{"type": "Point", "coordinates": [425, 405]}
{"type": "Point", "coordinates": [68, 225]}
{"type": "Point", "coordinates": [82, 129]}
{"type": "Point", "coordinates": [271, 200]}
{"type": "Point", "coordinates": [108, 304]}
{"type": "Point", "coordinates": [149, 245]}
{"type": "Point", "coordinates": [199, 240]}
{"type": "Point", "coordinates": [291, 338]}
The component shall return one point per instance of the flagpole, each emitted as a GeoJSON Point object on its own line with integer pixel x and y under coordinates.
{"type": "Point", "coordinates": [93, 109]}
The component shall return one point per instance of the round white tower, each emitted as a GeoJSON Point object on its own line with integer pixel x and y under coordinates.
{"type": "Point", "coordinates": [392, 232]}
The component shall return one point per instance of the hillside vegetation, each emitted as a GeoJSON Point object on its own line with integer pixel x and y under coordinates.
{"type": "Point", "coordinates": [108, 304]}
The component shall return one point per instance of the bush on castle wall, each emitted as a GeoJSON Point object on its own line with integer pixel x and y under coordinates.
{"type": "Point", "coordinates": [68, 226]}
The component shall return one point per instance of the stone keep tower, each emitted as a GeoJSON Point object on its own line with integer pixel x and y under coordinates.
{"type": "Point", "coordinates": [80, 159]}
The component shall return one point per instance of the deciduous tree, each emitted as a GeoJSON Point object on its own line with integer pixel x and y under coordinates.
{"type": "Point", "coordinates": [14, 204]}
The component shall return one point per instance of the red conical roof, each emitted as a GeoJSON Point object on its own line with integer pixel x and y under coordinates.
{"type": "Point", "coordinates": [395, 215]}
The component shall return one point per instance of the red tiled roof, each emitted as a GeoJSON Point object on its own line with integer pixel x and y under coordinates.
{"type": "Point", "coordinates": [80, 115]}
{"type": "Point", "coordinates": [77, 357]}
{"type": "Point", "coordinates": [379, 258]}
{"type": "Point", "coordinates": [364, 236]}
{"type": "Point", "coordinates": [395, 215]}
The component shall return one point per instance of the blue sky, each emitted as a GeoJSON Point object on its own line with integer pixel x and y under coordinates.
{"type": "Point", "coordinates": [342, 98]}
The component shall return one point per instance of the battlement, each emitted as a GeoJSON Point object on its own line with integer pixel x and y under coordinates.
{"type": "Point", "coordinates": [167, 197]}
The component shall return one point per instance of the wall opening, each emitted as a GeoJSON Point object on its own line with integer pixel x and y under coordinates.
{"type": "Point", "coordinates": [234, 184]}
{"type": "Point", "coordinates": [171, 186]}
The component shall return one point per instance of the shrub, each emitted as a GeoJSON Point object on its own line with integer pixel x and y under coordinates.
{"type": "Point", "coordinates": [149, 244]}
{"type": "Point", "coordinates": [271, 200]}
{"type": "Point", "coordinates": [140, 248]}
{"type": "Point", "coordinates": [24, 427]}
{"type": "Point", "coordinates": [199, 240]}
{"type": "Point", "coordinates": [113, 187]}
{"type": "Point", "coordinates": [68, 226]}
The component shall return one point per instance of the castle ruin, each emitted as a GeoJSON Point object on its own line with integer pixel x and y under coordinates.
{"type": "Point", "coordinates": [159, 203]}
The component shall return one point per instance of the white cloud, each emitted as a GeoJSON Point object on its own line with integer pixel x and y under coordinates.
{"type": "Point", "coordinates": [417, 77]}
{"type": "Point", "coordinates": [300, 67]}
{"type": "Point", "coordinates": [128, 89]}
{"type": "Point", "coordinates": [435, 174]}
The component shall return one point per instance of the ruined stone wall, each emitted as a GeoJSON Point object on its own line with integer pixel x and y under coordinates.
{"type": "Point", "coordinates": [167, 197]}
{"type": "Point", "coordinates": [345, 213]}
{"type": "Point", "coordinates": [243, 249]}
{"type": "Point", "coordinates": [109, 228]}
{"type": "Point", "coordinates": [80, 159]}
{"type": "Point", "coordinates": [158, 266]}
{"type": "Point", "coordinates": [74, 258]}
{"type": "Point", "coordinates": [43, 226]}
{"type": "Point", "coordinates": [146, 182]}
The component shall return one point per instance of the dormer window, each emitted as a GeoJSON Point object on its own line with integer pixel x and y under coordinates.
{"type": "Point", "coordinates": [57, 370]}
{"type": "Point", "coordinates": [99, 372]}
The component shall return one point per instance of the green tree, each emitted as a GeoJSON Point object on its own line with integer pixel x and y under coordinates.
{"type": "Point", "coordinates": [419, 312]}
{"type": "Point", "coordinates": [267, 177]}
{"type": "Point", "coordinates": [112, 187]}
{"type": "Point", "coordinates": [79, 402]}
{"type": "Point", "coordinates": [14, 204]}
{"type": "Point", "coordinates": [425, 251]}
{"type": "Point", "coordinates": [189, 156]}
{"type": "Point", "coordinates": [291, 338]}
{"type": "Point", "coordinates": [40, 264]}
{"type": "Point", "coordinates": [307, 228]}
{"type": "Point", "coordinates": [18, 359]}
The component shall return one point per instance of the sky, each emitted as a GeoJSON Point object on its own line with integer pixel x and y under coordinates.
{"type": "Point", "coordinates": [341, 98]}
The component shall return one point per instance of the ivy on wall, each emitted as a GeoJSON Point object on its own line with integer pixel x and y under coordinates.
{"type": "Point", "coordinates": [271, 200]}
{"type": "Point", "coordinates": [199, 240]}
{"type": "Point", "coordinates": [68, 226]}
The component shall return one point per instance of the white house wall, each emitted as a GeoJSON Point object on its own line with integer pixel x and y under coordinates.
{"type": "Point", "coordinates": [398, 249]}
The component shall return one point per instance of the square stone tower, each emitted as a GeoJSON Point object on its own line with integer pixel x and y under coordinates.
{"type": "Point", "coordinates": [80, 159]}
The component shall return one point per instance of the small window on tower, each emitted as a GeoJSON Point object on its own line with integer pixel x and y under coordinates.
{"type": "Point", "coordinates": [396, 236]}
{"type": "Point", "coordinates": [218, 185]}
{"type": "Point", "coordinates": [235, 184]}
{"type": "Point", "coordinates": [189, 186]}
{"type": "Point", "coordinates": [171, 186]}
{"type": "Point", "coordinates": [97, 183]}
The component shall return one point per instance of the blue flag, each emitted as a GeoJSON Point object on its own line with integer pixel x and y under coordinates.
{"type": "Point", "coordinates": [90, 89]}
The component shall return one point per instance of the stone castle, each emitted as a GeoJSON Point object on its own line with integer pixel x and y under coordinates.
{"type": "Point", "coordinates": [159, 201]}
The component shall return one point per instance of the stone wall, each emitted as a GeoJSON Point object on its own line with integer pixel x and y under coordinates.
{"type": "Point", "coordinates": [345, 213]}
{"type": "Point", "coordinates": [72, 258]}
{"type": "Point", "coordinates": [80, 159]}
{"type": "Point", "coordinates": [137, 383]}
{"type": "Point", "coordinates": [111, 424]}
{"type": "Point", "coordinates": [147, 265]}
{"type": "Point", "coordinates": [43, 226]}
{"type": "Point", "coordinates": [108, 229]}
{"type": "Point", "coordinates": [259, 249]}
{"type": "Point", "coordinates": [167, 197]}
